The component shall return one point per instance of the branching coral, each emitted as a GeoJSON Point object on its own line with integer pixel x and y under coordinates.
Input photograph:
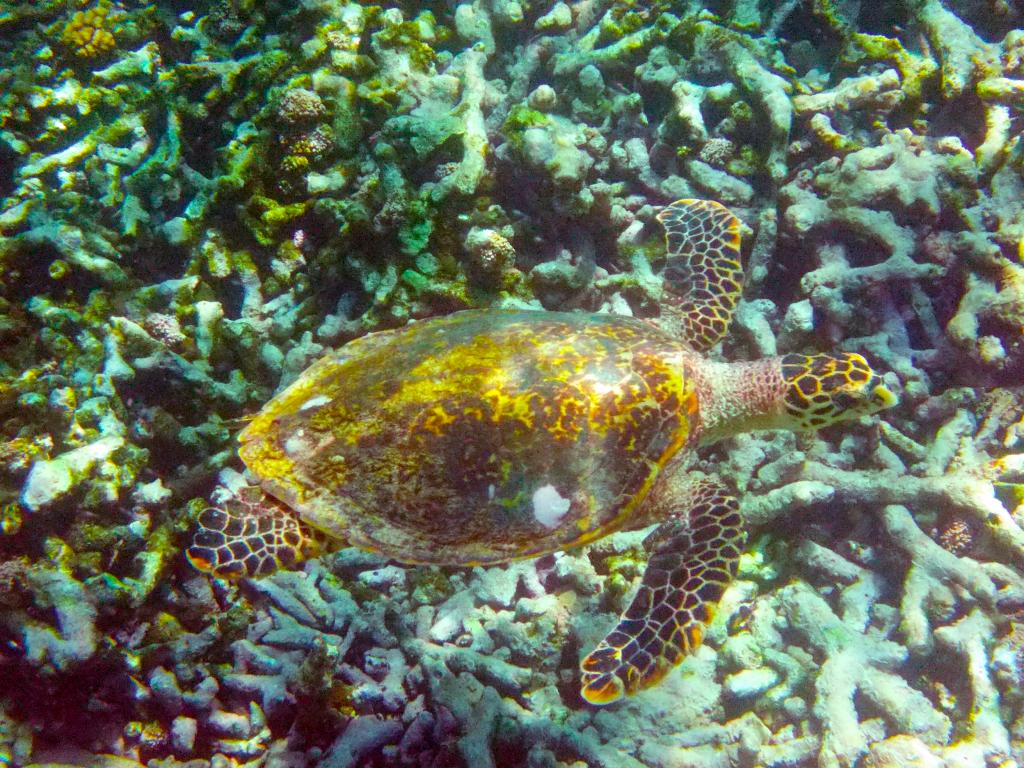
{"type": "Point", "coordinates": [961, 479]}
{"type": "Point", "coordinates": [857, 662]}
{"type": "Point", "coordinates": [988, 739]}
{"type": "Point", "coordinates": [992, 303]}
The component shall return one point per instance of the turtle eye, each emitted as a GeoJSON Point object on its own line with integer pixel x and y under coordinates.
{"type": "Point", "coordinates": [844, 400]}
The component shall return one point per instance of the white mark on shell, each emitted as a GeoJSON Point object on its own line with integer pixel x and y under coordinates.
{"type": "Point", "coordinates": [549, 506]}
{"type": "Point", "coordinates": [296, 444]}
{"type": "Point", "coordinates": [313, 402]}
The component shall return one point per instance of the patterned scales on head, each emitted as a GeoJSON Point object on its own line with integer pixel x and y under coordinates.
{"type": "Point", "coordinates": [487, 436]}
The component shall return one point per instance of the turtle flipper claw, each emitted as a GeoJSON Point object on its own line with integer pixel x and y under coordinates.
{"type": "Point", "coordinates": [250, 535]}
{"type": "Point", "coordinates": [693, 560]}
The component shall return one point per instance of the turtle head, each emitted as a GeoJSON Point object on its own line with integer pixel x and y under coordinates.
{"type": "Point", "coordinates": [796, 392]}
{"type": "Point", "coordinates": [823, 389]}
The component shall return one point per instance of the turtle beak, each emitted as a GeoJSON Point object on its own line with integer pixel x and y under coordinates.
{"type": "Point", "coordinates": [882, 397]}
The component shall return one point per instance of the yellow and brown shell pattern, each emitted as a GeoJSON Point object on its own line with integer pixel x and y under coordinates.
{"type": "Point", "coordinates": [481, 437]}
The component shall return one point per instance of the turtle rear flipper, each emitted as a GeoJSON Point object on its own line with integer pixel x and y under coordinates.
{"type": "Point", "coordinates": [703, 272]}
{"type": "Point", "coordinates": [694, 557]}
{"type": "Point", "coordinates": [250, 535]}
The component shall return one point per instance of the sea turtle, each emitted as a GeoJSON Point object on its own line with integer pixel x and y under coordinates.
{"type": "Point", "coordinates": [490, 435]}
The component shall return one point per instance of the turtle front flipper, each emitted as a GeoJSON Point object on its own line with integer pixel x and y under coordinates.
{"type": "Point", "coordinates": [703, 273]}
{"type": "Point", "coordinates": [252, 534]}
{"type": "Point", "coordinates": [693, 558]}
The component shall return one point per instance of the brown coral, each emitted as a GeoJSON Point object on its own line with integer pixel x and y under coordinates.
{"type": "Point", "coordinates": [717, 151]}
{"type": "Point", "coordinates": [165, 328]}
{"type": "Point", "coordinates": [87, 32]}
{"type": "Point", "coordinates": [300, 106]}
{"type": "Point", "coordinates": [14, 592]}
{"type": "Point", "coordinates": [957, 536]}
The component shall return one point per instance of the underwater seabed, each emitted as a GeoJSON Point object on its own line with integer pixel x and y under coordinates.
{"type": "Point", "coordinates": [198, 200]}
